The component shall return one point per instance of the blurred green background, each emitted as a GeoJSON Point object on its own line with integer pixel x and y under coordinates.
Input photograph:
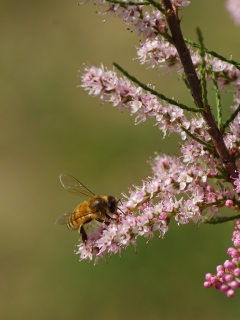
{"type": "Point", "coordinates": [48, 127]}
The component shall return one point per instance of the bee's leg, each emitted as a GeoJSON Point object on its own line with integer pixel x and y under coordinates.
{"type": "Point", "coordinates": [83, 234]}
{"type": "Point", "coordinates": [102, 221]}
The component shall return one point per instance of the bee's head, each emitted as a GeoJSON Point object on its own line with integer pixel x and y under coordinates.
{"type": "Point", "coordinates": [112, 207]}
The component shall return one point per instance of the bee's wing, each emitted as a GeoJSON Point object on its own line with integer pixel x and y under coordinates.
{"type": "Point", "coordinates": [63, 219]}
{"type": "Point", "coordinates": [74, 186]}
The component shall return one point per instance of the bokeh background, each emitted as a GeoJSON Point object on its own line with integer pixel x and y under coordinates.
{"type": "Point", "coordinates": [48, 127]}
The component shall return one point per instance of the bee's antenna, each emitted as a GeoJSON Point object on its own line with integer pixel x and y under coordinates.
{"type": "Point", "coordinates": [119, 200]}
{"type": "Point", "coordinates": [121, 211]}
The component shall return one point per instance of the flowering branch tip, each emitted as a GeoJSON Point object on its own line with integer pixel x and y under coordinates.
{"type": "Point", "coordinates": [204, 177]}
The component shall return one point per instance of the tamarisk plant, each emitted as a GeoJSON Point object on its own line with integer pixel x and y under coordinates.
{"type": "Point", "coordinates": [206, 176]}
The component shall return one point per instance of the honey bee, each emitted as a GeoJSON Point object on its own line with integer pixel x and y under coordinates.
{"type": "Point", "coordinates": [98, 208]}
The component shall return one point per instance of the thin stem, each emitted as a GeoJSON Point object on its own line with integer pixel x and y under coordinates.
{"type": "Point", "coordinates": [129, 3]}
{"type": "Point", "coordinates": [218, 99]}
{"type": "Point", "coordinates": [154, 92]}
{"type": "Point", "coordinates": [237, 156]}
{"type": "Point", "coordinates": [218, 203]}
{"type": "Point", "coordinates": [187, 85]}
{"type": "Point", "coordinates": [158, 6]}
{"type": "Point", "coordinates": [221, 219]}
{"type": "Point", "coordinates": [222, 172]}
{"type": "Point", "coordinates": [205, 144]}
{"type": "Point", "coordinates": [228, 162]}
{"type": "Point", "coordinates": [231, 118]}
{"type": "Point", "coordinates": [214, 54]}
{"type": "Point", "coordinates": [192, 43]}
{"type": "Point", "coordinates": [203, 70]}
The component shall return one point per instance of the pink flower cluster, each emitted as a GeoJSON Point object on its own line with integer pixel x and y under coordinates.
{"type": "Point", "coordinates": [161, 54]}
{"type": "Point", "coordinates": [147, 23]}
{"type": "Point", "coordinates": [160, 199]}
{"type": "Point", "coordinates": [180, 189]}
{"type": "Point", "coordinates": [122, 93]}
{"type": "Point", "coordinates": [151, 206]}
{"type": "Point", "coordinates": [227, 277]}
{"type": "Point", "coordinates": [118, 235]}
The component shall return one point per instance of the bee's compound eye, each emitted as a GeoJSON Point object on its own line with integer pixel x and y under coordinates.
{"type": "Point", "coordinates": [112, 204]}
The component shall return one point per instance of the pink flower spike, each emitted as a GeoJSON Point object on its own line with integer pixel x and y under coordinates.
{"type": "Point", "coordinates": [228, 275]}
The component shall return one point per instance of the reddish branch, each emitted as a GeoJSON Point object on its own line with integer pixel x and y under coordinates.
{"type": "Point", "coordinates": [195, 85]}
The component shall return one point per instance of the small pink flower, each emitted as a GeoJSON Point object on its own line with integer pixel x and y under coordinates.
{"type": "Point", "coordinates": [233, 7]}
{"type": "Point", "coordinates": [237, 184]}
{"type": "Point", "coordinates": [229, 203]}
{"type": "Point", "coordinates": [179, 3]}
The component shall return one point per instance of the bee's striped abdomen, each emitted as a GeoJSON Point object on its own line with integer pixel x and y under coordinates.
{"type": "Point", "coordinates": [73, 222]}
